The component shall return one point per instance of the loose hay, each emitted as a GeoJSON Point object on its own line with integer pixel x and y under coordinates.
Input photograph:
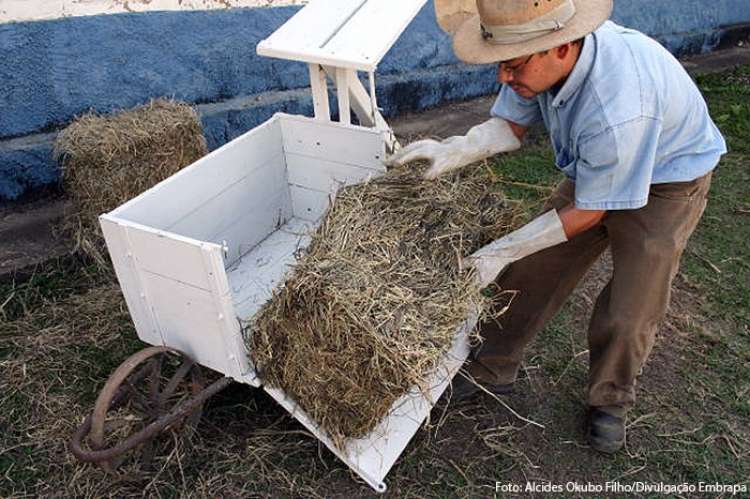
{"type": "Point", "coordinates": [107, 160]}
{"type": "Point", "coordinates": [374, 304]}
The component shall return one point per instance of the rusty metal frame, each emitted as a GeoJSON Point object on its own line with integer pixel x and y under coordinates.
{"type": "Point", "coordinates": [115, 394]}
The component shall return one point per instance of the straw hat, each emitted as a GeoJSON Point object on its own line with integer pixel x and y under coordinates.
{"type": "Point", "coordinates": [506, 29]}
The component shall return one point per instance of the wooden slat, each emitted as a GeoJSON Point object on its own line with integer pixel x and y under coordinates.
{"type": "Point", "coordinates": [252, 226]}
{"type": "Point", "coordinates": [168, 255]}
{"type": "Point", "coordinates": [249, 193]}
{"type": "Point", "coordinates": [361, 103]}
{"type": "Point", "coordinates": [343, 76]}
{"type": "Point", "coordinates": [261, 199]}
{"type": "Point", "coordinates": [321, 174]}
{"type": "Point", "coordinates": [238, 364]}
{"type": "Point", "coordinates": [189, 320]}
{"type": "Point", "coordinates": [310, 28]}
{"type": "Point", "coordinates": [334, 142]}
{"type": "Point", "coordinates": [368, 107]}
{"type": "Point", "coordinates": [127, 275]}
{"type": "Point", "coordinates": [373, 30]}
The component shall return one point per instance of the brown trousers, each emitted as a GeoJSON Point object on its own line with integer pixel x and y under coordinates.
{"type": "Point", "coordinates": [646, 245]}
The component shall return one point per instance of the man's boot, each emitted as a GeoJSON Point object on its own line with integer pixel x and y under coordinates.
{"type": "Point", "coordinates": [465, 387]}
{"type": "Point", "coordinates": [605, 432]}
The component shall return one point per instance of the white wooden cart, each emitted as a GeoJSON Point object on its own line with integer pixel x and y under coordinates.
{"type": "Point", "coordinates": [203, 250]}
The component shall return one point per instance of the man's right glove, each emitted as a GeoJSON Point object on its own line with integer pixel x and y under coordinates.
{"type": "Point", "coordinates": [482, 141]}
{"type": "Point", "coordinates": [541, 233]}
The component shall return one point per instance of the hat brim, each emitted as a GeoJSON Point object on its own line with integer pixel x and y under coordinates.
{"type": "Point", "coordinates": [470, 47]}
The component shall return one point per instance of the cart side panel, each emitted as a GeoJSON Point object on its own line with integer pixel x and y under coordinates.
{"type": "Point", "coordinates": [127, 275]}
{"type": "Point", "coordinates": [236, 195]}
{"type": "Point", "coordinates": [258, 206]}
{"type": "Point", "coordinates": [323, 156]}
{"type": "Point", "coordinates": [313, 182]}
{"type": "Point", "coordinates": [347, 144]}
{"type": "Point", "coordinates": [177, 292]}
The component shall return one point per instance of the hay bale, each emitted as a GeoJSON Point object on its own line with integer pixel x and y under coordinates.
{"type": "Point", "coordinates": [107, 160]}
{"type": "Point", "coordinates": [373, 305]}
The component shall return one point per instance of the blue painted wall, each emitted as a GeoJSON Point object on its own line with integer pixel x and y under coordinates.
{"type": "Point", "coordinates": [51, 71]}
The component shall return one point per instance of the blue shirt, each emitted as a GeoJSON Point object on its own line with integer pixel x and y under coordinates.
{"type": "Point", "coordinates": [627, 116]}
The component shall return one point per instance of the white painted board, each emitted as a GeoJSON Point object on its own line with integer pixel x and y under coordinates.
{"type": "Point", "coordinates": [310, 204]}
{"type": "Point", "coordinates": [322, 174]}
{"type": "Point", "coordinates": [189, 320]}
{"type": "Point", "coordinates": [115, 235]}
{"type": "Point", "coordinates": [236, 195]}
{"type": "Point", "coordinates": [330, 141]}
{"type": "Point", "coordinates": [352, 34]}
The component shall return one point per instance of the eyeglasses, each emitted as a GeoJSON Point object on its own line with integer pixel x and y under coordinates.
{"type": "Point", "coordinates": [512, 71]}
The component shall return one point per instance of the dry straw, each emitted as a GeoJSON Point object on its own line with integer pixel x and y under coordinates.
{"type": "Point", "coordinates": [373, 305]}
{"type": "Point", "coordinates": [107, 160]}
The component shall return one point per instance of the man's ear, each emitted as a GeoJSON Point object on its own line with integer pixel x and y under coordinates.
{"type": "Point", "coordinates": [562, 51]}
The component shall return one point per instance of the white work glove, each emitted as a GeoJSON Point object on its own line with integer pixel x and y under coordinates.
{"type": "Point", "coordinates": [542, 232]}
{"type": "Point", "coordinates": [482, 141]}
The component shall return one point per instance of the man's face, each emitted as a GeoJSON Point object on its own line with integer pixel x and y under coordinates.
{"type": "Point", "coordinates": [531, 74]}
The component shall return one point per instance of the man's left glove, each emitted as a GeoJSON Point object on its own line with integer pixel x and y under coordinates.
{"type": "Point", "coordinates": [482, 141]}
{"type": "Point", "coordinates": [541, 233]}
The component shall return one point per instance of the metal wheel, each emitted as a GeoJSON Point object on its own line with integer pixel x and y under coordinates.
{"type": "Point", "coordinates": [155, 390]}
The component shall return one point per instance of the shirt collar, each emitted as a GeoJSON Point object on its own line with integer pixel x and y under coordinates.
{"type": "Point", "coordinates": [579, 73]}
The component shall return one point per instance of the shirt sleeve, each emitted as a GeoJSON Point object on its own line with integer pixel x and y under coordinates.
{"type": "Point", "coordinates": [512, 107]}
{"type": "Point", "coordinates": [614, 167]}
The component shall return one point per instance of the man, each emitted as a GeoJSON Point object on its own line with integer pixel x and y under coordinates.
{"type": "Point", "coordinates": [632, 134]}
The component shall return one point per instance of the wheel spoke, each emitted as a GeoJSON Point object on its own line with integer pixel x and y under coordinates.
{"type": "Point", "coordinates": [174, 382]}
{"type": "Point", "coordinates": [153, 390]}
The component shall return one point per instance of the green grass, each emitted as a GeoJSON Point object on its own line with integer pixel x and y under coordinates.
{"type": "Point", "coordinates": [718, 260]}
{"type": "Point", "coordinates": [713, 372]}
{"type": "Point", "coordinates": [50, 281]}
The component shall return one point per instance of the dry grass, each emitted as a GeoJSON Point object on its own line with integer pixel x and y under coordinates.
{"type": "Point", "coordinates": [374, 304]}
{"type": "Point", "coordinates": [56, 353]}
{"type": "Point", "coordinates": [107, 160]}
{"type": "Point", "coordinates": [57, 356]}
